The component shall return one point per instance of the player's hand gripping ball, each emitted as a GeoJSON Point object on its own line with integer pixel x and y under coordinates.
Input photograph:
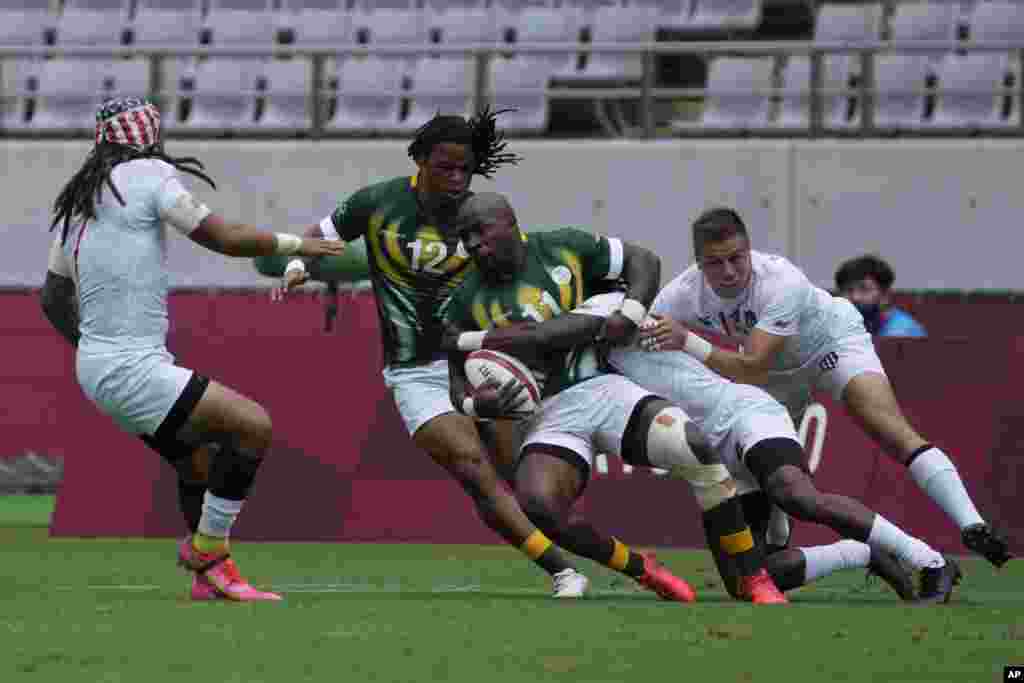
{"type": "Point", "coordinates": [518, 392]}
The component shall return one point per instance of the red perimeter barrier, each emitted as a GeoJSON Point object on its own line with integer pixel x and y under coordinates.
{"type": "Point", "coordinates": [343, 469]}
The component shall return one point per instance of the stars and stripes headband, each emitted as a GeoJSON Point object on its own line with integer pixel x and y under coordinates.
{"type": "Point", "coordinates": [128, 121]}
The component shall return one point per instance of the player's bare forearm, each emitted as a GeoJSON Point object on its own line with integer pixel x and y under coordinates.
{"type": "Point", "coordinates": [641, 269]}
{"type": "Point", "coordinates": [738, 367]}
{"type": "Point", "coordinates": [557, 334]}
{"type": "Point", "coordinates": [60, 306]}
{"type": "Point", "coordinates": [233, 239]}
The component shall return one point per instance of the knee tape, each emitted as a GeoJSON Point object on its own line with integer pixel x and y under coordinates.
{"type": "Point", "coordinates": [668, 449]}
{"type": "Point", "coordinates": [667, 446]}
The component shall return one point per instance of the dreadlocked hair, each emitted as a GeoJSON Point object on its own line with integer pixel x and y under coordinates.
{"type": "Point", "coordinates": [480, 132]}
{"type": "Point", "coordinates": [80, 195]}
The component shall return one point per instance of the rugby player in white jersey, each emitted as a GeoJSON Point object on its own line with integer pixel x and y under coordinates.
{"type": "Point", "coordinates": [106, 292]}
{"type": "Point", "coordinates": [795, 338]}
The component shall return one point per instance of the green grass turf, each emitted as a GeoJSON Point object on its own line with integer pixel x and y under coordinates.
{"type": "Point", "coordinates": [26, 510]}
{"type": "Point", "coordinates": [115, 610]}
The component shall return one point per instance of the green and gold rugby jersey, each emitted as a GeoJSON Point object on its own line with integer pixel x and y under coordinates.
{"type": "Point", "coordinates": [562, 269]}
{"type": "Point", "coordinates": [414, 266]}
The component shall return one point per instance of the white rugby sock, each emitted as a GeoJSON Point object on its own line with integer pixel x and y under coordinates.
{"type": "Point", "coordinates": [822, 560]}
{"type": "Point", "coordinates": [915, 552]}
{"type": "Point", "coordinates": [937, 476]}
{"type": "Point", "coordinates": [219, 514]}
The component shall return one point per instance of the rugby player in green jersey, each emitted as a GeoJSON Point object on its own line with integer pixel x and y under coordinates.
{"type": "Point", "coordinates": [525, 280]}
{"type": "Point", "coordinates": [416, 261]}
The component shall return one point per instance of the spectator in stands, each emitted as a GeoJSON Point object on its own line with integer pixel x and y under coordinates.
{"type": "Point", "coordinates": [867, 282]}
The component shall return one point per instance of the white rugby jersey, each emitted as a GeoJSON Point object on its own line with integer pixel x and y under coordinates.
{"type": "Point", "coordinates": [707, 398]}
{"type": "Point", "coordinates": [779, 300]}
{"type": "Point", "coordinates": [118, 258]}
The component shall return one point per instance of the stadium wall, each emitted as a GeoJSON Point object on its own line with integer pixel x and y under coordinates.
{"type": "Point", "coordinates": [943, 212]}
{"type": "Point", "coordinates": [343, 469]}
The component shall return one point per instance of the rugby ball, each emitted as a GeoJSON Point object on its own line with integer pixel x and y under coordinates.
{"type": "Point", "coordinates": [483, 365]}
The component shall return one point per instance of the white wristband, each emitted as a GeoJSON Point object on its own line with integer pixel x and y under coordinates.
{"type": "Point", "coordinates": [467, 407]}
{"type": "Point", "coordinates": [697, 346]}
{"type": "Point", "coordinates": [296, 264]}
{"type": "Point", "coordinates": [287, 244]}
{"type": "Point", "coordinates": [634, 310]}
{"type": "Point", "coordinates": [471, 341]}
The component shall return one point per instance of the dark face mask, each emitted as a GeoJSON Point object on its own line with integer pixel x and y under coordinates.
{"type": "Point", "coordinates": [872, 316]}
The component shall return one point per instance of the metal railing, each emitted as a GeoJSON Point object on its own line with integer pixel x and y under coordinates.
{"type": "Point", "coordinates": [645, 92]}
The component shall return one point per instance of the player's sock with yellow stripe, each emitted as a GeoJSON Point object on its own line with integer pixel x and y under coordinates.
{"type": "Point", "coordinates": [209, 545]}
{"type": "Point", "coordinates": [580, 538]}
{"type": "Point", "coordinates": [729, 535]}
{"type": "Point", "coordinates": [544, 553]}
{"type": "Point", "coordinates": [626, 560]}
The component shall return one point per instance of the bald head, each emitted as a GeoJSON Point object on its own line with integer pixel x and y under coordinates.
{"type": "Point", "coordinates": [487, 227]}
{"type": "Point", "coordinates": [484, 208]}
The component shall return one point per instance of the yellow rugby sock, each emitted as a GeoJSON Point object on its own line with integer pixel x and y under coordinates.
{"type": "Point", "coordinates": [209, 545]}
{"type": "Point", "coordinates": [535, 545]}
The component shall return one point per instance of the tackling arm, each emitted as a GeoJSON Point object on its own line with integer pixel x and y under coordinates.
{"type": "Point", "coordinates": [641, 269]}
{"type": "Point", "coordinates": [528, 339]}
{"type": "Point", "coordinates": [751, 365]}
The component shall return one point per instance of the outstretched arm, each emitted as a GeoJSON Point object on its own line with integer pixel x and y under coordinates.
{"type": "Point", "coordinates": [239, 239]}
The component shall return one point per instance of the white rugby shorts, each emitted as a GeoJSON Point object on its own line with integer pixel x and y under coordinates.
{"type": "Point", "coordinates": [136, 388]}
{"type": "Point", "coordinates": [848, 353]}
{"type": "Point", "coordinates": [586, 418]}
{"type": "Point", "coordinates": [421, 392]}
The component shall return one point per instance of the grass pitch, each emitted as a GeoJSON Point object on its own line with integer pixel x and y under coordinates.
{"type": "Point", "coordinates": [116, 610]}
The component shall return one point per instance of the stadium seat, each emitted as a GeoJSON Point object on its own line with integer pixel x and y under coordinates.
{"type": "Point", "coordinates": [123, 7]}
{"type": "Point", "coordinates": [286, 102]}
{"type": "Point", "coordinates": [546, 25]}
{"type": "Point", "coordinates": [997, 21]}
{"type": "Point", "coordinates": [389, 26]}
{"type": "Point", "coordinates": [632, 24]}
{"type": "Point", "coordinates": [16, 76]}
{"type": "Point", "coordinates": [456, 24]}
{"type": "Point", "coordinates": [80, 26]}
{"type": "Point", "coordinates": [440, 85]}
{"type": "Point", "coordinates": [725, 15]}
{"type": "Point", "coordinates": [369, 95]}
{"type": "Point", "coordinates": [796, 86]}
{"type": "Point", "coordinates": [127, 77]}
{"type": "Point", "coordinates": [167, 23]}
{"type": "Point", "coordinates": [895, 108]}
{"type": "Point", "coordinates": [933, 21]}
{"type": "Point", "coordinates": [69, 92]}
{"type": "Point", "coordinates": [19, 27]}
{"type": "Point", "coordinates": [223, 95]}
{"type": "Point", "coordinates": [376, 5]}
{"type": "Point", "coordinates": [250, 22]}
{"type": "Point", "coordinates": [731, 103]}
{"type": "Point", "coordinates": [318, 22]}
{"type": "Point", "coordinates": [851, 23]}
{"type": "Point", "coordinates": [506, 12]}
{"type": "Point", "coordinates": [520, 83]}
{"type": "Point", "coordinates": [671, 15]}
{"type": "Point", "coordinates": [955, 108]}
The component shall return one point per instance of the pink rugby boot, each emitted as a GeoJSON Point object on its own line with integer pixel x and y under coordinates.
{"type": "Point", "coordinates": [221, 574]}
